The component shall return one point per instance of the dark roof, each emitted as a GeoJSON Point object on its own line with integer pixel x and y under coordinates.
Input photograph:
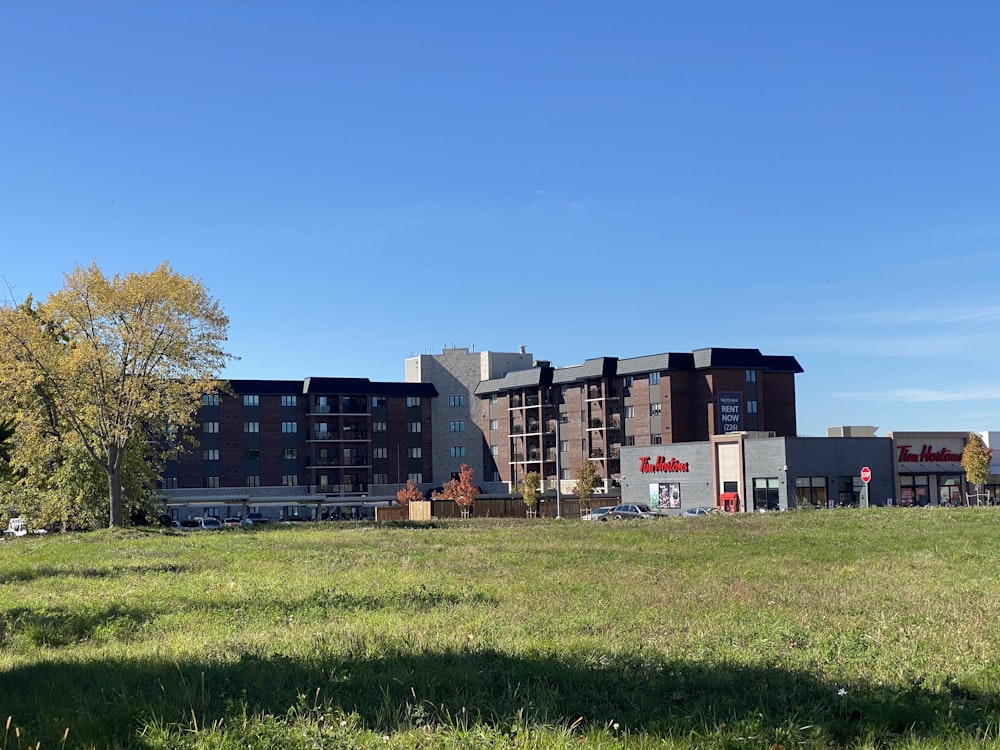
{"type": "Point", "coordinates": [653, 363]}
{"type": "Point", "coordinates": [531, 378]}
{"type": "Point", "coordinates": [750, 359]}
{"type": "Point", "coordinates": [365, 387]}
{"type": "Point", "coordinates": [265, 387]}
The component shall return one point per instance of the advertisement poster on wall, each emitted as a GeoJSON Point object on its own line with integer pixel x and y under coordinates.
{"type": "Point", "coordinates": [730, 412]}
{"type": "Point", "coordinates": [665, 496]}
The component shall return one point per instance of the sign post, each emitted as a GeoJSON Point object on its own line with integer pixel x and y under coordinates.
{"type": "Point", "coordinates": [866, 477]}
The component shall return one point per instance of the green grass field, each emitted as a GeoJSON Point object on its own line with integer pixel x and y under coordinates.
{"type": "Point", "coordinates": [862, 628]}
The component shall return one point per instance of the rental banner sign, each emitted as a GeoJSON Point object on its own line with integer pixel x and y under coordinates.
{"type": "Point", "coordinates": [730, 412]}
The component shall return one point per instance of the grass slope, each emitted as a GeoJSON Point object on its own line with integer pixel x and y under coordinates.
{"type": "Point", "coordinates": [864, 628]}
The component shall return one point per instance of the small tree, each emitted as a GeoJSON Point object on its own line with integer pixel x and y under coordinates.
{"type": "Point", "coordinates": [409, 493]}
{"type": "Point", "coordinates": [976, 459]}
{"type": "Point", "coordinates": [461, 490]}
{"type": "Point", "coordinates": [531, 488]}
{"type": "Point", "coordinates": [587, 481]}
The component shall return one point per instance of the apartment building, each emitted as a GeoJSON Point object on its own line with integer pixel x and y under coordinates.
{"type": "Point", "coordinates": [281, 444]}
{"type": "Point", "coordinates": [457, 431]}
{"type": "Point", "coordinates": [550, 420]}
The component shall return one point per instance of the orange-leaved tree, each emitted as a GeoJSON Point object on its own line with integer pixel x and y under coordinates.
{"type": "Point", "coordinates": [461, 490]}
{"type": "Point", "coordinates": [409, 492]}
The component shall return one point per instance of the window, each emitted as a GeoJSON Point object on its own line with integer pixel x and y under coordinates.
{"type": "Point", "coordinates": [629, 412]}
{"type": "Point", "coordinates": [211, 454]}
{"type": "Point", "coordinates": [751, 407]}
{"type": "Point", "coordinates": [211, 482]}
{"type": "Point", "coordinates": [379, 427]}
{"type": "Point", "coordinates": [456, 426]}
{"type": "Point", "coordinates": [413, 427]}
{"type": "Point", "coordinates": [630, 440]}
{"type": "Point", "coordinates": [654, 378]}
{"type": "Point", "coordinates": [456, 400]}
{"type": "Point", "coordinates": [494, 450]}
{"type": "Point", "coordinates": [252, 454]}
{"type": "Point", "coordinates": [494, 398]}
{"type": "Point", "coordinates": [380, 453]}
{"type": "Point", "coordinates": [751, 376]}
{"type": "Point", "coordinates": [413, 400]}
{"type": "Point", "coordinates": [416, 476]}
{"type": "Point", "coordinates": [251, 427]}
{"type": "Point", "coordinates": [654, 410]}
{"type": "Point", "coordinates": [209, 427]}
{"type": "Point", "coordinates": [251, 400]}
{"type": "Point", "coordinates": [628, 381]}
{"type": "Point", "coordinates": [457, 451]}
{"type": "Point", "coordinates": [324, 480]}
{"type": "Point", "coordinates": [564, 446]}
{"type": "Point", "coordinates": [253, 481]}
{"type": "Point", "coordinates": [290, 453]}
{"type": "Point", "coordinates": [322, 431]}
{"type": "Point", "coordinates": [289, 480]}
{"type": "Point", "coordinates": [655, 439]}
{"type": "Point", "coordinates": [380, 479]}
{"type": "Point", "coordinates": [289, 401]}
{"type": "Point", "coordinates": [321, 405]}
{"type": "Point", "coordinates": [414, 453]}
{"type": "Point", "coordinates": [378, 401]}
{"type": "Point", "coordinates": [494, 424]}
{"type": "Point", "coordinates": [810, 492]}
{"type": "Point", "coordinates": [289, 427]}
{"type": "Point", "coordinates": [210, 400]}
{"type": "Point", "coordinates": [168, 483]}
{"type": "Point", "coordinates": [765, 493]}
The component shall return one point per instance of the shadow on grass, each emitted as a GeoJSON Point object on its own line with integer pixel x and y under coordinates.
{"type": "Point", "coordinates": [106, 703]}
{"type": "Point", "coordinates": [27, 575]}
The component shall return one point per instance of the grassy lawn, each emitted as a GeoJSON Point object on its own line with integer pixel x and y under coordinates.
{"type": "Point", "coordinates": [862, 628]}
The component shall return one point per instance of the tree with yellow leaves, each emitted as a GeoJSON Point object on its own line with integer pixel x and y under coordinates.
{"type": "Point", "coordinates": [105, 359]}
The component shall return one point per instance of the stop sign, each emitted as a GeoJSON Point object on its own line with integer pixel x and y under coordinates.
{"type": "Point", "coordinates": [866, 474]}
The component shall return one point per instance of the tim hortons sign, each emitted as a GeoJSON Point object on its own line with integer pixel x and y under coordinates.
{"type": "Point", "coordinates": [661, 466]}
{"type": "Point", "coordinates": [927, 455]}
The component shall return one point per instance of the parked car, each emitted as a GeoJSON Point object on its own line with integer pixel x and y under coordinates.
{"type": "Point", "coordinates": [598, 514]}
{"type": "Point", "coordinates": [627, 511]}
{"type": "Point", "coordinates": [189, 524]}
{"type": "Point", "coordinates": [256, 518]}
{"type": "Point", "coordinates": [211, 523]}
{"type": "Point", "coordinates": [231, 522]}
{"type": "Point", "coordinates": [16, 527]}
{"type": "Point", "coordinates": [691, 512]}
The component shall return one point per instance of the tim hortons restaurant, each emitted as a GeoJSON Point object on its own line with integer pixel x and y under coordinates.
{"type": "Point", "coordinates": [748, 472]}
{"type": "Point", "coordinates": [743, 472]}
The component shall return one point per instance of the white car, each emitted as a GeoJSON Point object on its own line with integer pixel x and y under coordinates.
{"type": "Point", "coordinates": [16, 527]}
{"type": "Point", "coordinates": [598, 514]}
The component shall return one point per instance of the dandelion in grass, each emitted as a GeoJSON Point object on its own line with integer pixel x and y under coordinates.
{"type": "Point", "coordinates": [842, 692]}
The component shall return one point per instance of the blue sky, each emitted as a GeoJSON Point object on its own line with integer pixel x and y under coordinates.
{"type": "Point", "coordinates": [358, 182]}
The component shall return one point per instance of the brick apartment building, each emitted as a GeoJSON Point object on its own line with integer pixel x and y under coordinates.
{"type": "Point", "coordinates": [291, 443]}
{"type": "Point", "coordinates": [550, 420]}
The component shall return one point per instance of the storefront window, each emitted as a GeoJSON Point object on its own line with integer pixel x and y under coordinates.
{"type": "Point", "coordinates": [849, 491]}
{"type": "Point", "coordinates": [914, 489]}
{"type": "Point", "coordinates": [950, 490]}
{"type": "Point", "coordinates": [765, 493]}
{"type": "Point", "coordinates": [810, 492]}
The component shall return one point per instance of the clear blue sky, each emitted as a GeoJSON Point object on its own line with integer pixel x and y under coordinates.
{"type": "Point", "coordinates": [358, 182]}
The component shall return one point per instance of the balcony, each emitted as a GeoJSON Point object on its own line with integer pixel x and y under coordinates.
{"type": "Point", "coordinates": [596, 424]}
{"type": "Point", "coordinates": [320, 409]}
{"type": "Point", "coordinates": [596, 453]}
{"type": "Point", "coordinates": [517, 430]}
{"type": "Point", "coordinates": [325, 435]}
